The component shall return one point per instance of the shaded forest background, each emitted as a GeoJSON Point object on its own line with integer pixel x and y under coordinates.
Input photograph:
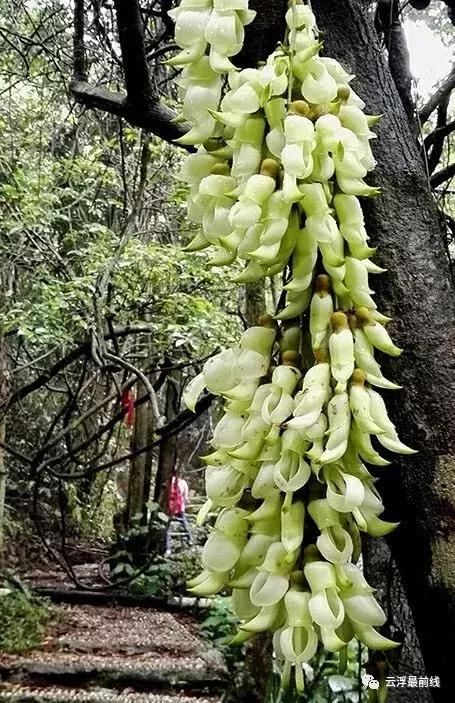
{"type": "Point", "coordinates": [100, 306]}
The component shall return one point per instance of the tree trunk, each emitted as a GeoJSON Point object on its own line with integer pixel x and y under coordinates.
{"type": "Point", "coordinates": [136, 500]}
{"type": "Point", "coordinates": [168, 450]}
{"type": "Point", "coordinates": [381, 570]}
{"type": "Point", "coordinates": [149, 455]}
{"type": "Point", "coordinates": [255, 305]}
{"type": "Point", "coordinates": [417, 291]}
{"type": "Point", "coordinates": [3, 469]}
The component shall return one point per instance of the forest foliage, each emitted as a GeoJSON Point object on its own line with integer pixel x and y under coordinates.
{"type": "Point", "coordinates": [92, 236]}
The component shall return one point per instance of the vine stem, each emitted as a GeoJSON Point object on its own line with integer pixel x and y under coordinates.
{"type": "Point", "coordinates": [292, 52]}
{"type": "Point", "coordinates": [309, 3]}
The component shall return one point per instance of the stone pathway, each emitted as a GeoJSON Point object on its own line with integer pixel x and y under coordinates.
{"type": "Point", "coordinates": [111, 653]}
{"type": "Point", "coordinates": [24, 694]}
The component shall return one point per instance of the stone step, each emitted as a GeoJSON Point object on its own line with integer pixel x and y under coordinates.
{"type": "Point", "coordinates": [115, 647]}
{"type": "Point", "coordinates": [55, 694]}
{"type": "Point", "coordinates": [142, 671]}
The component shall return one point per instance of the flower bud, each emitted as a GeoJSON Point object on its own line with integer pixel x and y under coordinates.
{"type": "Point", "coordinates": [376, 334]}
{"type": "Point", "coordinates": [359, 401]}
{"type": "Point", "coordinates": [341, 346]}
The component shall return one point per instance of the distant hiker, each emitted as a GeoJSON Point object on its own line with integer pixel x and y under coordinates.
{"type": "Point", "coordinates": [177, 501]}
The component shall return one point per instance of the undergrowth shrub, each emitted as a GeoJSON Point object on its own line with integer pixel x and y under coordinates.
{"type": "Point", "coordinates": [23, 617]}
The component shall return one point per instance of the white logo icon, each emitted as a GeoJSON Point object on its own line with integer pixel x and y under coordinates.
{"type": "Point", "coordinates": [369, 681]}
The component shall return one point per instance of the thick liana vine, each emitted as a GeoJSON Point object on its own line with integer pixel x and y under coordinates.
{"type": "Point", "coordinates": [283, 150]}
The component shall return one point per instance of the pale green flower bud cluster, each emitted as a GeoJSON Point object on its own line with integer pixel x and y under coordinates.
{"type": "Point", "coordinates": [279, 188]}
{"type": "Point", "coordinates": [288, 480]}
{"type": "Point", "coordinates": [209, 32]}
{"type": "Point", "coordinates": [284, 139]}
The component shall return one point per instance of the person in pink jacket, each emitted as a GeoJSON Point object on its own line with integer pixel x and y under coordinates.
{"type": "Point", "coordinates": [177, 502]}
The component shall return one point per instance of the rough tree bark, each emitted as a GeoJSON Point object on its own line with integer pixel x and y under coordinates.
{"type": "Point", "coordinates": [381, 570]}
{"type": "Point", "coordinates": [417, 291]}
{"type": "Point", "coordinates": [262, 36]}
{"type": "Point", "coordinates": [255, 304]}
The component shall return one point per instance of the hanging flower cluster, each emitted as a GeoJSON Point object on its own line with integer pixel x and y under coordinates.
{"type": "Point", "coordinates": [276, 184]}
{"type": "Point", "coordinates": [209, 33]}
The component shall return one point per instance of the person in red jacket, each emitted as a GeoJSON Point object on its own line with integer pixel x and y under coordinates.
{"type": "Point", "coordinates": [178, 499]}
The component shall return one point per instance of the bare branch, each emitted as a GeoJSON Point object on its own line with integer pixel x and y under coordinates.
{"type": "Point", "coordinates": [154, 117]}
{"type": "Point", "coordinates": [439, 132]}
{"type": "Point", "coordinates": [99, 98]}
{"type": "Point", "coordinates": [140, 106]}
{"type": "Point", "coordinates": [438, 142]}
{"type": "Point", "coordinates": [389, 23]}
{"type": "Point", "coordinates": [440, 177]}
{"type": "Point", "coordinates": [17, 455]}
{"type": "Point", "coordinates": [62, 364]}
{"type": "Point", "coordinates": [446, 87]}
{"type": "Point", "coordinates": [172, 428]}
{"type": "Point", "coordinates": [78, 41]}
